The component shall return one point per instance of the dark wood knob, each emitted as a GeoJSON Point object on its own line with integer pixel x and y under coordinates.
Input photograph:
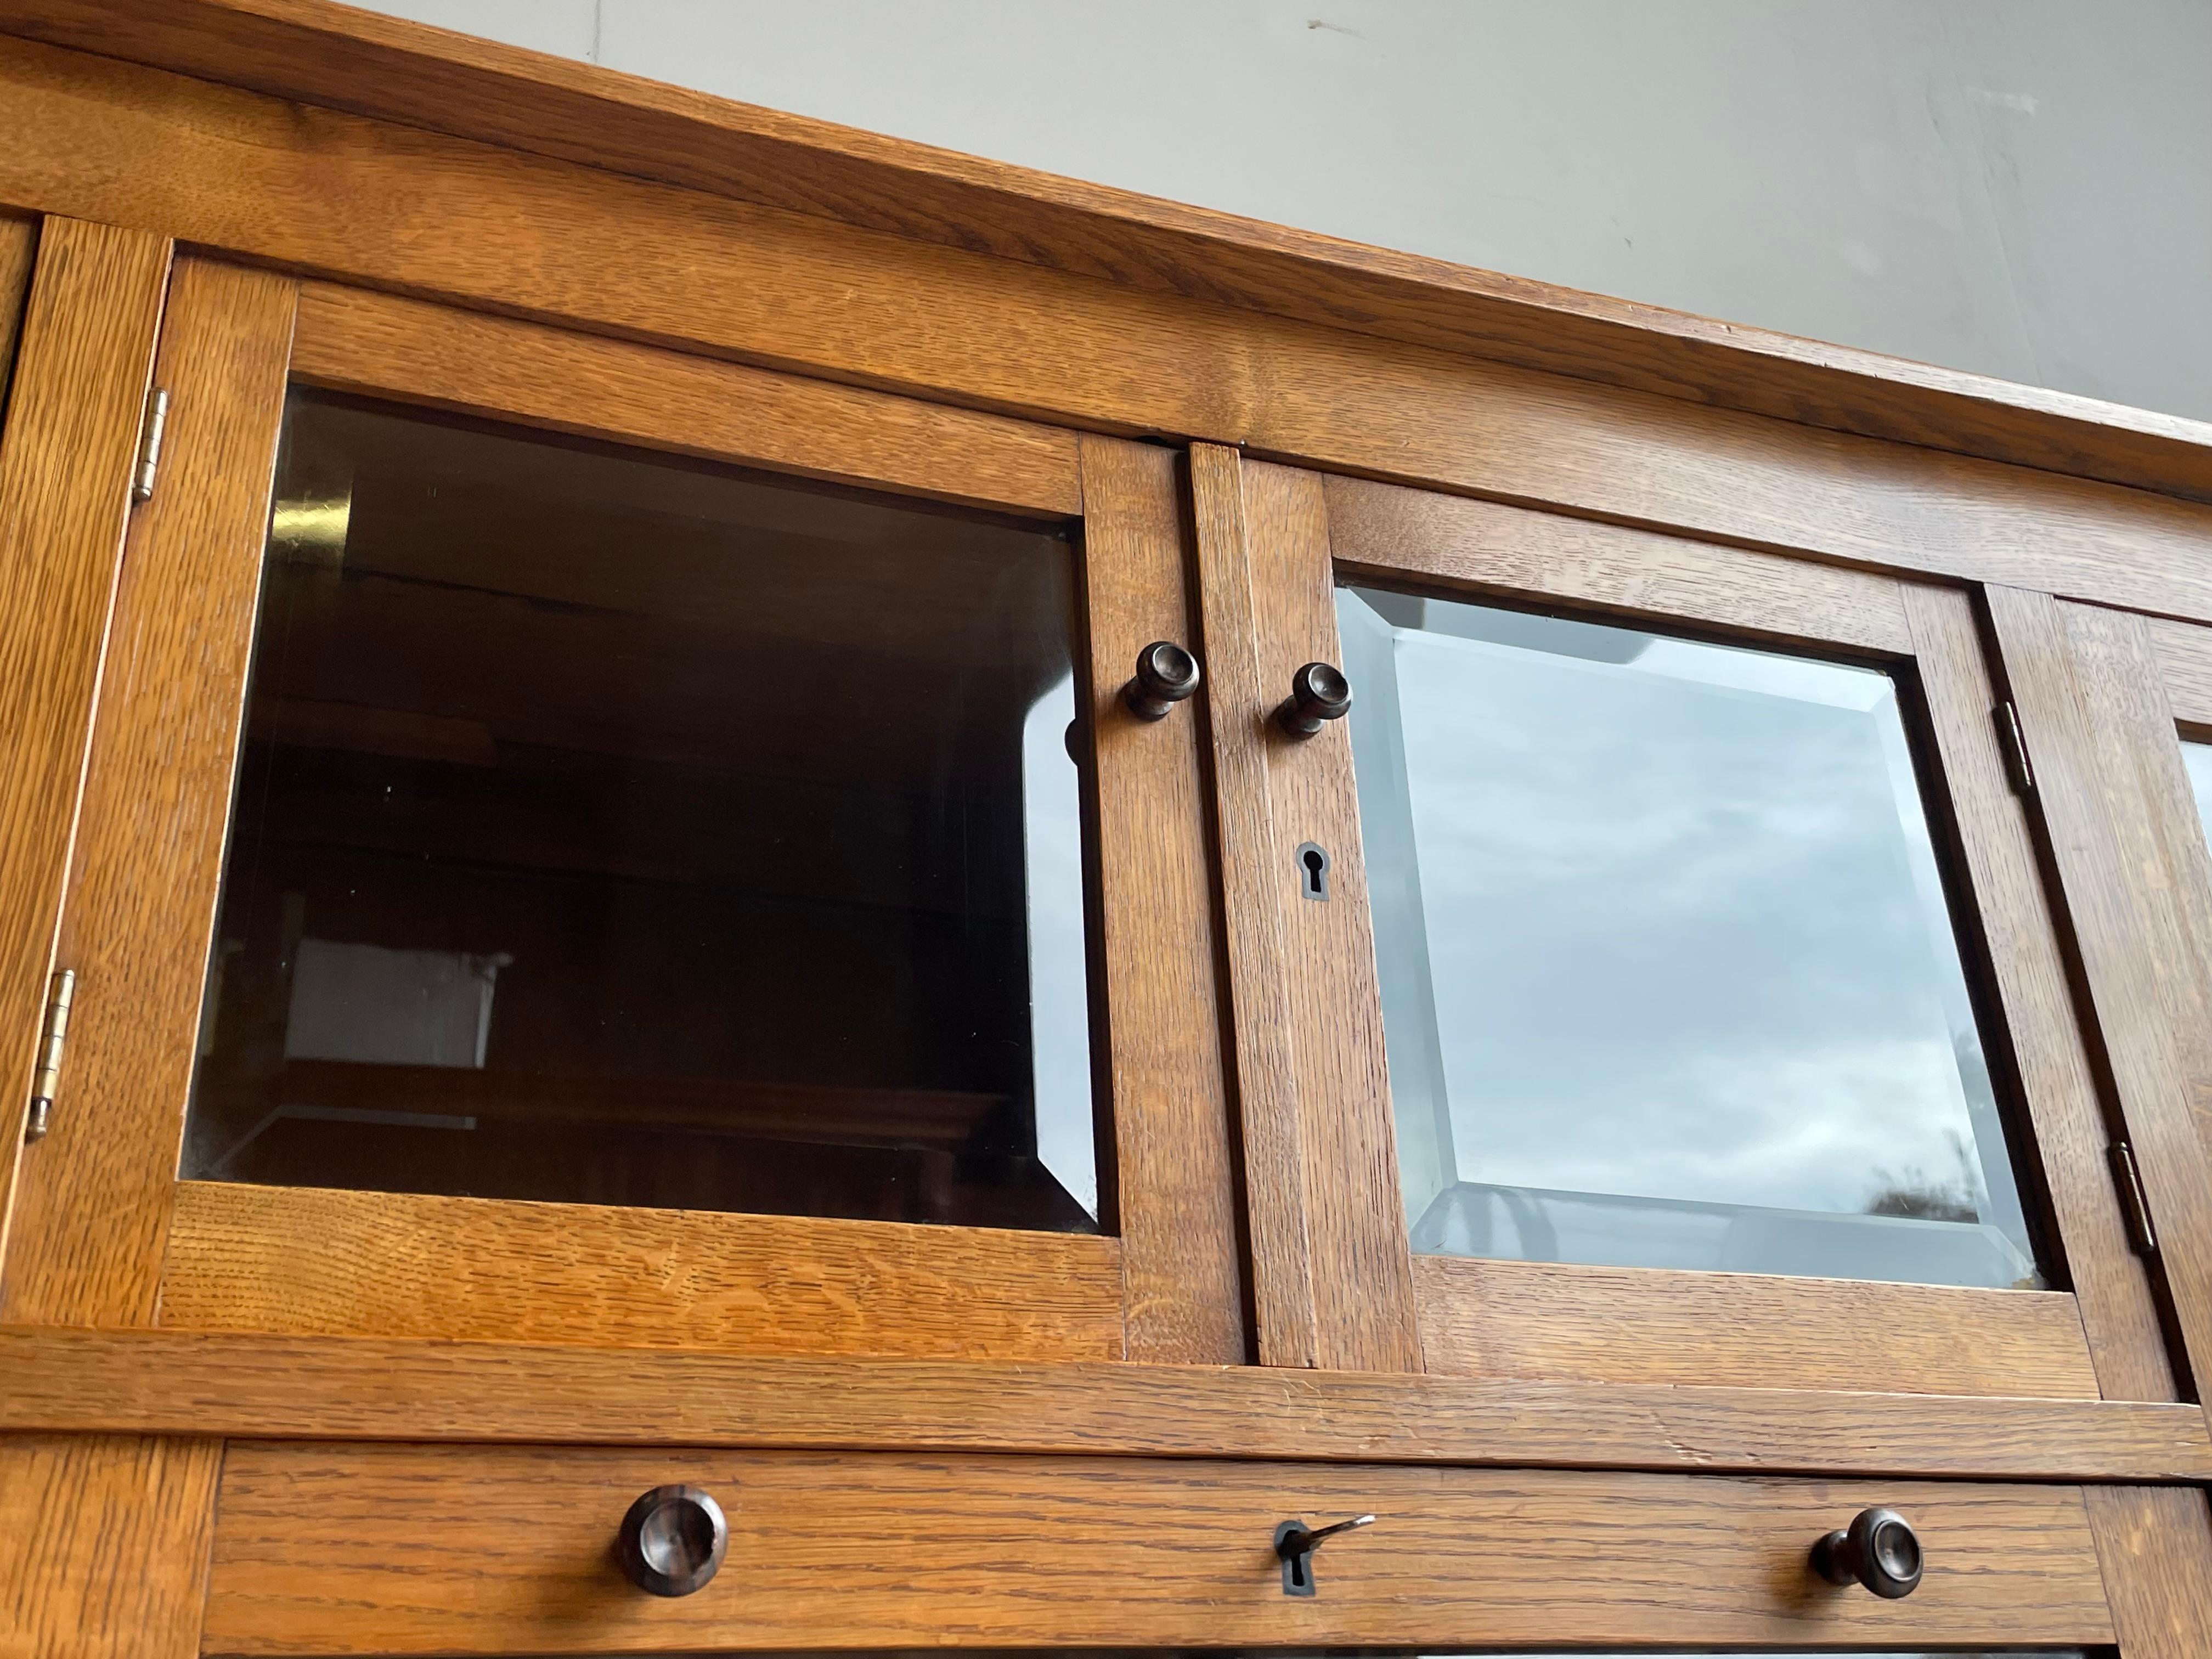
{"type": "Point", "coordinates": [1879, 1549]}
{"type": "Point", "coordinates": [671, 1541]}
{"type": "Point", "coordinates": [1166, 674]}
{"type": "Point", "coordinates": [1318, 692]}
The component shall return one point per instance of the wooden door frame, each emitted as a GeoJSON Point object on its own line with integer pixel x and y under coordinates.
{"type": "Point", "coordinates": [111, 1237]}
{"type": "Point", "coordinates": [2106, 699]}
{"type": "Point", "coordinates": [1271, 544]}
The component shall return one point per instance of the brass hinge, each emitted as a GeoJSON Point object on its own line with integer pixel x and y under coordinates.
{"type": "Point", "coordinates": [2134, 1209]}
{"type": "Point", "coordinates": [2014, 742]}
{"type": "Point", "coordinates": [53, 1036]}
{"type": "Point", "coordinates": [149, 445]}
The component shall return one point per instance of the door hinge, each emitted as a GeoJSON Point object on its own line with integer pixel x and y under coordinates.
{"type": "Point", "coordinates": [2134, 1208]}
{"type": "Point", "coordinates": [149, 445]}
{"type": "Point", "coordinates": [2014, 742]}
{"type": "Point", "coordinates": [53, 1035]}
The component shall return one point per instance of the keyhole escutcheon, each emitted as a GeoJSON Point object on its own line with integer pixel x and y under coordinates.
{"type": "Point", "coordinates": [1313, 871]}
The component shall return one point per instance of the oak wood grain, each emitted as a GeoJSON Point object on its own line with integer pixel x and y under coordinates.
{"type": "Point", "coordinates": [1478, 549]}
{"type": "Point", "coordinates": [381, 346]}
{"type": "Point", "coordinates": [65, 457]}
{"type": "Point", "coordinates": [2156, 1544]}
{"type": "Point", "coordinates": [1269, 1122]}
{"type": "Point", "coordinates": [19, 251]}
{"type": "Point", "coordinates": [307, 1259]}
{"type": "Point", "coordinates": [1482, 1318]}
{"type": "Point", "coordinates": [322, 1550]}
{"type": "Point", "coordinates": [2034, 1015]}
{"type": "Point", "coordinates": [2071, 677]}
{"type": "Point", "coordinates": [104, 1543]}
{"type": "Point", "coordinates": [340, 196]}
{"type": "Point", "coordinates": [1363, 1284]}
{"type": "Point", "coordinates": [2159, 837]}
{"type": "Point", "coordinates": [95, 1199]}
{"type": "Point", "coordinates": [348, 59]}
{"type": "Point", "coordinates": [2184, 656]}
{"type": "Point", "coordinates": [1181, 1253]}
{"type": "Point", "coordinates": [357, 1387]}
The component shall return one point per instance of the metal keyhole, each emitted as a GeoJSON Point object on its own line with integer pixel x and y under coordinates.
{"type": "Point", "coordinates": [1313, 864]}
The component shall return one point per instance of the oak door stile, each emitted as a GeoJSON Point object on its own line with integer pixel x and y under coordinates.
{"type": "Point", "coordinates": [72, 424]}
{"type": "Point", "coordinates": [1322, 1159]}
{"type": "Point", "coordinates": [96, 1193]}
{"type": "Point", "coordinates": [2154, 1549]}
{"type": "Point", "coordinates": [1266, 1082]}
{"type": "Point", "coordinates": [104, 1545]}
{"type": "Point", "coordinates": [2115, 1294]}
{"type": "Point", "coordinates": [2097, 820]}
{"type": "Point", "coordinates": [1183, 1282]}
{"type": "Point", "coordinates": [19, 251]}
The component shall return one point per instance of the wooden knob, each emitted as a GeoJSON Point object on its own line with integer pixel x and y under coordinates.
{"type": "Point", "coordinates": [1319, 692]}
{"type": "Point", "coordinates": [671, 1541]}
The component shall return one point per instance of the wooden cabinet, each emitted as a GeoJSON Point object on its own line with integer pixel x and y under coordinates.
{"type": "Point", "coordinates": [625, 931]}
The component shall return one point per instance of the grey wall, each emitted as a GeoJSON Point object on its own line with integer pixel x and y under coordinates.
{"type": "Point", "coordinates": [2019, 187]}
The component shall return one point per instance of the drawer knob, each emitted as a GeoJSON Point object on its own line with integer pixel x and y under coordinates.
{"type": "Point", "coordinates": [1879, 1549]}
{"type": "Point", "coordinates": [1295, 1544]}
{"type": "Point", "coordinates": [1166, 674]}
{"type": "Point", "coordinates": [672, 1540]}
{"type": "Point", "coordinates": [1318, 693]}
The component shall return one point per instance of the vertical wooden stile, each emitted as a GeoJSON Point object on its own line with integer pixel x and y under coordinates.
{"type": "Point", "coordinates": [96, 1193]}
{"type": "Point", "coordinates": [82, 363]}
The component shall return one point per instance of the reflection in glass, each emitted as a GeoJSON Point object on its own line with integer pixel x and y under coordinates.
{"type": "Point", "coordinates": [615, 831]}
{"type": "Point", "coordinates": [2198, 757]}
{"type": "Point", "coordinates": [1668, 976]}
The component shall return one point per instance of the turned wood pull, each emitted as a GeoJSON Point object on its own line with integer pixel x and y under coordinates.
{"type": "Point", "coordinates": [1166, 674]}
{"type": "Point", "coordinates": [672, 1540]}
{"type": "Point", "coordinates": [1879, 1549]}
{"type": "Point", "coordinates": [1318, 692]}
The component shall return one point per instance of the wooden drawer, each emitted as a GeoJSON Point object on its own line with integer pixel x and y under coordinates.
{"type": "Point", "coordinates": [387, 1549]}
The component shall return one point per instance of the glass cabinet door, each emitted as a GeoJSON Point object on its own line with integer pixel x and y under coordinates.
{"type": "Point", "coordinates": [637, 849]}
{"type": "Point", "coordinates": [1660, 917]}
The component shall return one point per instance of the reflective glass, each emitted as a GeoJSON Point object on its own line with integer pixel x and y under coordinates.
{"type": "Point", "coordinates": [2198, 755]}
{"type": "Point", "coordinates": [1668, 977]}
{"type": "Point", "coordinates": [619, 831]}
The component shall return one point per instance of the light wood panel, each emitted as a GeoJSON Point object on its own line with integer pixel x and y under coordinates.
{"type": "Point", "coordinates": [2033, 1018]}
{"type": "Point", "coordinates": [382, 346]}
{"type": "Point", "coordinates": [307, 1260]}
{"type": "Point", "coordinates": [1276, 1198]}
{"type": "Point", "coordinates": [1483, 549]}
{"type": "Point", "coordinates": [1155, 927]}
{"type": "Point", "coordinates": [96, 1199]}
{"type": "Point", "coordinates": [322, 1550]}
{"type": "Point", "coordinates": [2156, 1544]}
{"type": "Point", "coordinates": [2074, 676]}
{"type": "Point", "coordinates": [474, 88]}
{"type": "Point", "coordinates": [65, 461]}
{"type": "Point", "coordinates": [1482, 1318]}
{"type": "Point", "coordinates": [351, 1388]}
{"type": "Point", "coordinates": [104, 1545]}
{"type": "Point", "coordinates": [405, 209]}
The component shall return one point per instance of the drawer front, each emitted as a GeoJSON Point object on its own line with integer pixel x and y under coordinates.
{"type": "Point", "coordinates": [360, 1549]}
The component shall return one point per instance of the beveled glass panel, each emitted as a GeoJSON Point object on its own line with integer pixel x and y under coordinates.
{"type": "Point", "coordinates": [615, 829]}
{"type": "Point", "coordinates": [1667, 972]}
{"type": "Point", "coordinates": [2198, 757]}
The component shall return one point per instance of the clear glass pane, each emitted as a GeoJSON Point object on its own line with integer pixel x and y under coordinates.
{"type": "Point", "coordinates": [1667, 974]}
{"type": "Point", "coordinates": [617, 831]}
{"type": "Point", "coordinates": [2198, 757]}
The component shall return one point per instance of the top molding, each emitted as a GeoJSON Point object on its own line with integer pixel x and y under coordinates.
{"type": "Point", "coordinates": [318, 52]}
